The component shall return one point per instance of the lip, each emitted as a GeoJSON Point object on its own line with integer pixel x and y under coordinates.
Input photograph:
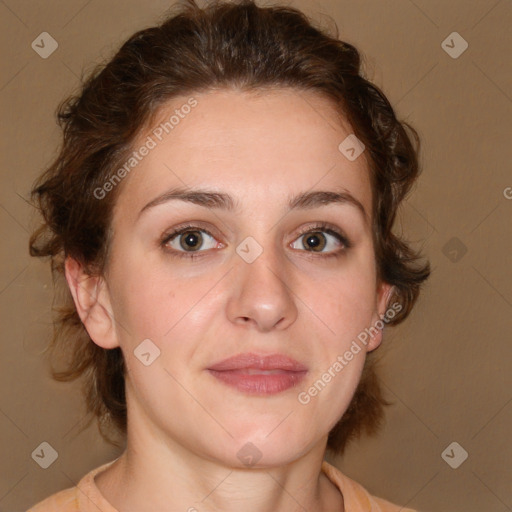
{"type": "Point", "coordinates": [259, 375]}
{"type": "Point", "coordinates": [259, 362]}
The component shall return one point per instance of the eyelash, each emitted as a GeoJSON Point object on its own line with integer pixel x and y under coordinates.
{"type": "Point", "coordinates": [323, 227]}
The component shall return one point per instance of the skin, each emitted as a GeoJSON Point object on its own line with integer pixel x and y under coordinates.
{"type": "Point", "coordinates": [184, 426]}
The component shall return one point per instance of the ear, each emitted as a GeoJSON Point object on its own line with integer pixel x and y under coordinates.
{"type": "Point", "coordinates": [92, 302]}
{"type": "Point", "coordinates": [384, 292]}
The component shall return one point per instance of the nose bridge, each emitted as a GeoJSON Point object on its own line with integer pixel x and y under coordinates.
{"type": "Point", "coordinates": [265, 264]}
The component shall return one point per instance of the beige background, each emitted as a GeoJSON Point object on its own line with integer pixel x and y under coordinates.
{"type": "Point", "coordinates": [447, 369]}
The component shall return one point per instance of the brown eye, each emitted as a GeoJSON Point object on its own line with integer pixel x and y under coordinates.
{"type": "Point", "coordinates": [322, 240]}
{"type": "Point", "coordinates": [189, 240]}
{"type": "Point", "coordinates": [315, 241]}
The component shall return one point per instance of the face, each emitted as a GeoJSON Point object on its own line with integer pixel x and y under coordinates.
{"type": "Point", "coordinates": [255, 270]}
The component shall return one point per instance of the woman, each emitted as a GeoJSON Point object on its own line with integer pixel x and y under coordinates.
{"type": "Point", "coordinates": [221, 210]}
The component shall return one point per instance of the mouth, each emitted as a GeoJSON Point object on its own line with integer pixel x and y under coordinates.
{"type": "Point", "coordinates": [259, 375]}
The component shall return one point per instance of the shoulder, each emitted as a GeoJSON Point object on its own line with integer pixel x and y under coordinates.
{"type": "Point", "coordinates": [63, 501]}
{"type": "Point", "coordinates": [84, 497]}
{"type": "Point", "coordinates": [356, 497]}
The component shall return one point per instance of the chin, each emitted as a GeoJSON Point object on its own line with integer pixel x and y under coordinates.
{"type": "Point", "coordinates": [267, 448]}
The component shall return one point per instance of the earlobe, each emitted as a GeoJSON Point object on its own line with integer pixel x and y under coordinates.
{"type": "Point", "coordinates": [384, 294]}
{"type": "Point", "coordinates": [92, 302]}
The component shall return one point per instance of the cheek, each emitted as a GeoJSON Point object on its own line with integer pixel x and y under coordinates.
{"type": "Point", "coordinates": [156, 302]}
{"type": "Point", "coordinates": [137, 298]}
{"type": "Point", "coordinates": [346, 303]}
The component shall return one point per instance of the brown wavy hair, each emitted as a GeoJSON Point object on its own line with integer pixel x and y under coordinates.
{"type": "Point", "coordinates": [224, 45]}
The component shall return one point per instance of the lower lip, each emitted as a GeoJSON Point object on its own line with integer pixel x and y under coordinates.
{"type": "Point", "coordinates": [259, 384]}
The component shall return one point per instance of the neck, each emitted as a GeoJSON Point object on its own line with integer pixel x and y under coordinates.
{"type": "Point", "coordinates": [149, 477]}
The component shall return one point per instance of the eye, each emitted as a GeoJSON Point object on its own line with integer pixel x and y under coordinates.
{"type": "Point", "coordinates": [322, 237]}
{"type": "Point", "coordinates": [188, 239]}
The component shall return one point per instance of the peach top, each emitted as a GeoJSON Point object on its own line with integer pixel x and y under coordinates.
{"type": "Point", "coordinates": [86, 497]}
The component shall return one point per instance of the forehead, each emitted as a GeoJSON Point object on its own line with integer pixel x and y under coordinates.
{"type": "Point", "coordinates": [264, 146]}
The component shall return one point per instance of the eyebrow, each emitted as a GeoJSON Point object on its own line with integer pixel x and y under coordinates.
{"type": "Point", "coordinates": [223, 201]}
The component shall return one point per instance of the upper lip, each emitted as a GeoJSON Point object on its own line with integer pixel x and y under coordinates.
{"type": "Point", "coordinates": [259, 362]}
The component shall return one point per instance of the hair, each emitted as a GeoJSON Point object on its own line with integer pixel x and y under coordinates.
{"type": "Point", "coordinates": [238, 46]}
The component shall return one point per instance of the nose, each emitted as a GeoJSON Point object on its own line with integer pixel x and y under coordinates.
{"type": "Point", "coordinates": [262, 293]}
